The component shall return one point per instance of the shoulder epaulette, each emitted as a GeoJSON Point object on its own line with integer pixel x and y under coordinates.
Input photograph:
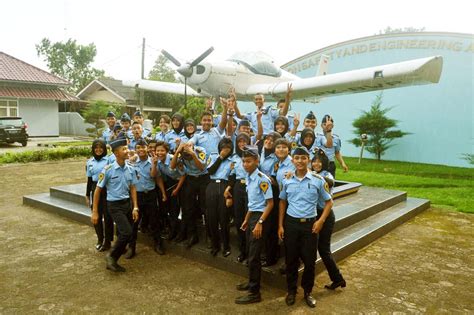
{"type": "Point", "coordinates": [317, 175]}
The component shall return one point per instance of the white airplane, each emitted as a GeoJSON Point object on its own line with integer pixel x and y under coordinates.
{"type": "Point", "coordinates": [250, 73]}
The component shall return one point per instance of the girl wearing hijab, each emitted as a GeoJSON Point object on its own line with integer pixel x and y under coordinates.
{"type": "Point", "coordinates": [237, 192]}
{"type": "Point", "coordinates": [189, 129]}
{"type": "Point", "coordinates": [176, 132]}
{"type": "Point", "coordinates": [320, 164]}
{"type": "Point", "coordinates": [94, 166]}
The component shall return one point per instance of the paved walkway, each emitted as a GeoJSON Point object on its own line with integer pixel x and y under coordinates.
{"type": "Point", "coordinates": [48, 264]}
{"type": "Point", "coordinates": [35, 143]}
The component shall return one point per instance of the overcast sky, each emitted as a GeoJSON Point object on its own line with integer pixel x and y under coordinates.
{"type": "Point", "coordinates": [284, 29]}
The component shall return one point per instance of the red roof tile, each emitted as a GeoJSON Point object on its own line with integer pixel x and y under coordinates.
{"type": "Point", "coordinates": [12, 69]}
{"type": "Point", "coordinates": [32, 93]}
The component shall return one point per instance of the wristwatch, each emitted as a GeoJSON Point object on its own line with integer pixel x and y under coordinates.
{"type": "Point", "coordinates": [260, 221]}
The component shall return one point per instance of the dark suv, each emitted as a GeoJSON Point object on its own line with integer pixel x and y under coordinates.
{"type": "Point", "coordinates": [13, 129]}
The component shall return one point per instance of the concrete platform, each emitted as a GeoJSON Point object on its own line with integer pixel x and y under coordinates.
{"type": "Point", "coordinates": [362, 216]}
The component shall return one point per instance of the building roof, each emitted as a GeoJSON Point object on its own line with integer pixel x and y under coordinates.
{"type": "Point", "coordinates": [36, 93]}
{"type": "Point", "coordinates": [15, 70]}
{"type": "Point", "coordinates": [115, 87]}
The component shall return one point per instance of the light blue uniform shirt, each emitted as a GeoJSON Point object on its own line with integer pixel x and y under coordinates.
{"type": "Point", "coordinates": [111, 158]}
{"type": "Point", "coordinates": [171, 136]}
{"type": "Point", "coordinates": [190, 167]}
{"type": "Point", "coordinates": [145, 182]}
{"type": "Point", "coordinates": [268, 117]}
{"type": "Point", "coordinates": [267, 164]}
{"type": "Point", "coordinates": [133, 143]}
{"type": "Point", "coordinates": [161, 136]}
{"type": "Point", "coordinates": [330, 152]}
{"type": "Point", "coordinates": [283, 167]}
{"type": "Point", "coordinates": [106, 134]}
{"type": "Point", "coordinates": [259, 190]}
{"type": "Point", "coordinates": [165, 169]}
{"type": "Point", "coordinates": [224, 170]}
{"type": "Point", "coordinates": [208, 139]}
{"type": "Point", "coordinates": [328, 175]}
{"type": "Point", "coordinates": [303, 195]}
{"type": "Point", "coordinates": [117, 179]}
{"type": "Point", "coordinates": [94, 167]}
{"type": "Point", "coordinates": [237, 167]}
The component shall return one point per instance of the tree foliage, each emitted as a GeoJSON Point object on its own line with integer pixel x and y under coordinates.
{"type": "Point", "coordinates": [94, 114]}
{"type": "Point", "coordinates": [162, 72]}
{"type": "Point", "coordinates": [70, 61]}
{"type": "Point", "coordinates": [194, 109]}
{"type": "Point", "coordinates": [378, 128]}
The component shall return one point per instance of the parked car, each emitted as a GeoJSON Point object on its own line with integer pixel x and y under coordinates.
{"type": "Point", "coordinates": [13, 129]}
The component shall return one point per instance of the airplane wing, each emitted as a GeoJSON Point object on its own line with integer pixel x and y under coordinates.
{"type": "Point", "coordinates": [159, 86]}
{"type": "Point", "coordinates": [407, 73]}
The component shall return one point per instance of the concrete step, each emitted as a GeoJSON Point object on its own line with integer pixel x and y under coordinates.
{"type": "Point", "coordinates": [63, 207]}
{"type": "Point", "coordinates": [366, 202]}
{"type": "Point", "coordinates": [75, 193]}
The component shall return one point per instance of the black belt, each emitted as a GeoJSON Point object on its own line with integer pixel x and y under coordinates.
{"type": "Point", "coordinates": [145, 192]}
{"type": "Point", "coordinates": [224, 181]}
{"type": "Point", "coordinates": [122, 201]}
{"type": "Point", "coordinates": [300, 220]}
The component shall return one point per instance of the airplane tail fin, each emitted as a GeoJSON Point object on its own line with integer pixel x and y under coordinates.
{"type": "Point", "coordinates": [323, 65]}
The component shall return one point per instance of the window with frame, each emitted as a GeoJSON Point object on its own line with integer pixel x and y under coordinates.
{"type": "Point", "coordinates": [9, 108]}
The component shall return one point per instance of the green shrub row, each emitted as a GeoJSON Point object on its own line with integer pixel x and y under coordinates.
{"type": "Point", "coordinates": [44, 155]}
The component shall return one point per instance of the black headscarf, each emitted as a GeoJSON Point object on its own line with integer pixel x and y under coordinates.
{"type": "Point", "coordinates": [304, 133]}
{"type": "Point", "coordinates": [99, 143]}
{"type": "Point", "coordinates": [275, 135]}
{"type": "Point", "coordinates": [189, 121]}
{"type": "Point", "coordinates": [226, 142]}
{"type": "Point", "coordinates": [179, 117]}
{"type": "Point", "coordinates": [240, 136]}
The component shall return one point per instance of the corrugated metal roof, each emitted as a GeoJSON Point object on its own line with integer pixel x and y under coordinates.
{"type": "Point", "coordinates": [32, 93]}
{"type": "Point", "coordinates": [12, 69]}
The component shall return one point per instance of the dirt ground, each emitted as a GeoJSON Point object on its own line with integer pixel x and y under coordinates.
{"type": "Point", "coordinates": [48, 264]}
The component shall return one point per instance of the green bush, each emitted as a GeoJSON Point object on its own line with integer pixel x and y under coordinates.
{"type": "Point", "coordinates": [44, 155]}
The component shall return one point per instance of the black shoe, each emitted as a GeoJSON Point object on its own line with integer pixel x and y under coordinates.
{"type": "Point", "coordinates": [192, 241]}
{"type": "Point", "coordinates": [130, 253]}
{"type": "Point", "coordinates": [98, 246]}
{"type": "Point", "coordinates": [241, 258]}
{"type": "Point", "coordinates": [214, 251]}
{"type": "Point", "coordinates": [249, 298]}
{"type": "Point", "coordinates": [105, 247]}
{"type": "Point", "coordinates": [310, 300]}
{"type": "Point", "coordinates": [336, 285]}
{"type": "Point", "coordinates": [159, 248]}
{"type": "Point", "coordinates": [242, 286]}
{"type": "Point", "coordinates": [290, 299]}
{"type": "Point", "coordinates": [112, 264]}
{"type": "Point", "coordinates": [226, 252]}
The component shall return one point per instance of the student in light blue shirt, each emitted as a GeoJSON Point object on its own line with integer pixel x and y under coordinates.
{"type": "Point", "coordinates": [260, 204]}
{"type": "Point", "coordinates": [177, 125]}
{"type": "Point", "coordinates": [120, 180]}
{"type": "Point", "coordinates": [94, 166]}
{"type": "Point", "coordinates": [320, 165]}
{"type": "Point", "coordinates": [109, 130]}
{"type": "Point", "coordinates": [298, 224]}
{"type": "Point", "coordinates": [219, 169]}
{"type": "Point", "coordinates": [164, 123]}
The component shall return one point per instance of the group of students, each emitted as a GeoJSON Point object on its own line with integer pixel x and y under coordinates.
{"type": "Point", "coordinates": [251, 169]}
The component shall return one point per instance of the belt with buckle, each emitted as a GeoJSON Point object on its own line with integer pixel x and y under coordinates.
{"type": "Point", "coordinates": [301, 220]}
{"type": "Point", "coordinates": [243, 181]}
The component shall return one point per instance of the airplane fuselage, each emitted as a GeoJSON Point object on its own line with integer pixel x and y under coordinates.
{"type": "Point", "coordinates": [217, 78]}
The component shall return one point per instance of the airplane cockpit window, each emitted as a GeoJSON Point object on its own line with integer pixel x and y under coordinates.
{"type": "Point", "coordinates": [257, 62]}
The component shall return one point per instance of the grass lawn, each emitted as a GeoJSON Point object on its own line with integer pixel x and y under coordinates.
{"type": "Point", "coordinates": [446, 186]}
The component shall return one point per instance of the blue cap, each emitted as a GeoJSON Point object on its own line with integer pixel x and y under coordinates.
{"type": "Point", "coordinates": [138, 113]}
{"type": "Point", "coordinates": [118, 143]}
{"type": "Point", "coordinates": [125, 117]}
{"type": "Point", "coordinates": [310, 115]}
{"type": "Point", "coordinates": [326, 118]}
{"type": "Point", "coordinates": [301, 151]}
{"type": "Point", "coordinates": [110, 114]}
{"type": "Point", "coordinates": [250, 150]}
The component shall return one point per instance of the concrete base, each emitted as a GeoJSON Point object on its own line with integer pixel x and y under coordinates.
{"type": "Point", "coordinates": [361, 218]}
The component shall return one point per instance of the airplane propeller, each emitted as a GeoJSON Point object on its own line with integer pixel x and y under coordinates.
{"type": "Point", "coordinates": [186, 70]}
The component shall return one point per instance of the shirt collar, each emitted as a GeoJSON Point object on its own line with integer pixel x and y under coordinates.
{"type": "Point", "coordinates": [254, 175]}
